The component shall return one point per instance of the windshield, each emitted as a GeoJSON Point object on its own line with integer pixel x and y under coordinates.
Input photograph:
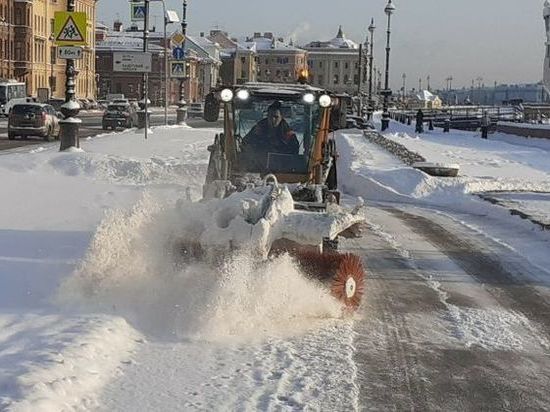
{"type": "Point", "coordinates": [298, 117]}
{"type": "Point", "coordinates": [118, 108]}
{"type": "Point", "coordinates": [275, 136]}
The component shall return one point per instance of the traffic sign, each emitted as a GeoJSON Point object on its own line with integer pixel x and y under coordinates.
{"type": "Point", "coordinates": [178, 53]}
{"type": "Point", "coordinates": [70, 52]}
{"type": "Point", "coordinates": [177, 69]}
{"type": "Point", "coordinates": [177, 38]}
{"type": "Point", "coordinates": [137, 11]}
{"type": "Point", "coordinates": [135, 62]}
{"type": "Point", "coordinates": [70, 28]}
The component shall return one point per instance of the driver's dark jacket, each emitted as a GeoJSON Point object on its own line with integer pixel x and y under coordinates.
{"type": "Point", "coordinates": [265, 139]}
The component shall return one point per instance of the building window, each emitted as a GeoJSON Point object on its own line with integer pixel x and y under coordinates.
{"type": "Point", "coordinates": [335, 65]}
{"type": "Point", "coordinates": [320, 65]}
{"type": "Point", "coordinates": [346, 79]}
{"type": "Point", "coordinates": [346, 65]}
{"type": "Point", "coordinates": [321, 80]}
{"type": "Point", "coordinates": [336, 79]}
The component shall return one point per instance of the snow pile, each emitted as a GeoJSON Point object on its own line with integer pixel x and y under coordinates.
{"type": "Point", "coordinates": [63, 362]}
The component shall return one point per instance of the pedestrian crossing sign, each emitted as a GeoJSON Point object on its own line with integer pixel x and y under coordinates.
{"type": "Point", "coordinates": [70, 28]}
{"type": "Point", "coordinates": [177, 69]}
{"type": "Point", "coordinates": [137, 11]}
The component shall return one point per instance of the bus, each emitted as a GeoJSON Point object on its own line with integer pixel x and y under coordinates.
{"type": "Point", "coordinates": [11, 92]}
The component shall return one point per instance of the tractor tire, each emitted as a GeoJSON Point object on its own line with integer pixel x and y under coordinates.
{"type": "Point", "coordinates": [332, 178]}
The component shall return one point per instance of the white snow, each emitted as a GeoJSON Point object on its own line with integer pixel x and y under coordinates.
{"type": "Point", "coordinates": [97, 312]}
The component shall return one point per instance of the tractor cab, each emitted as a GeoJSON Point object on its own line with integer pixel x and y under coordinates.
{"type": "Point", "coordinates": [274, 129]}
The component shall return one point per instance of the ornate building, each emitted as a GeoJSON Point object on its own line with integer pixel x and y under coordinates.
{"type": "Point", "coordinates": [6, 38]}
{"type": "Point", "coordinates": [334, 64]}
{"type": "Point", "coordinates": [546, 70]}
{"type": "Point", "coordinates": [31, 53]}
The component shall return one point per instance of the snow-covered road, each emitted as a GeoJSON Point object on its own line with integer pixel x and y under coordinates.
{"type": "Point", "coordinates": [95, 315]}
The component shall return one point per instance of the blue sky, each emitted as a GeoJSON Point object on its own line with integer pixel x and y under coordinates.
{"type": "Point", "coordinates": [497, 40]}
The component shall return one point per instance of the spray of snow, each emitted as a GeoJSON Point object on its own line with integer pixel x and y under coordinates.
{"type": "Point", "coordinates": [132, 270]}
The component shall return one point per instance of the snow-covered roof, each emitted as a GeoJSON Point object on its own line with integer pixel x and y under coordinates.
{"type": "Point", "coordinates": [338, 42]}
{"type": "Point", "coordinates": [264, 44]}
{"type": "Point", "coordinates": [426, 96]}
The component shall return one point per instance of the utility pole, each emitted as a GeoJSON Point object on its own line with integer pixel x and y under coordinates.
{"type": "Point", "coordinates": [428, 81]}
{"type": "Point", "coordinates": [70, 125]}
{"type": "Point", "coordinates": [419, 85]}
{"type": "Point", "coordinates": [372, 27]}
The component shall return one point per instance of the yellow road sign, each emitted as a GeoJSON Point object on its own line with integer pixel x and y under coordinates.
{"type": "Point", "coordinates": [70, 28]}
{"type": "Point", "coordinates": [178, 38]}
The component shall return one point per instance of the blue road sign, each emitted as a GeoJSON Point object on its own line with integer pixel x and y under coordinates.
{"type": "Point", "coordinates": [137, 11]}
{"type": "Point", "coordinates": [178, 53]}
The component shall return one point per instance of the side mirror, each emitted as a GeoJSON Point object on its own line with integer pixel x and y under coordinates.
{"type": "Point", "coordinates": [211, 108]}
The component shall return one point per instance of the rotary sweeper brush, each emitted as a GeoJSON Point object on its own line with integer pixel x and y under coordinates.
{"type": "Point", "coordinates": [271, 185]}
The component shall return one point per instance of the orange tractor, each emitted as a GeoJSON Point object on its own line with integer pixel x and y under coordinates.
{"type": "Point", "coordinates": [273, 179]}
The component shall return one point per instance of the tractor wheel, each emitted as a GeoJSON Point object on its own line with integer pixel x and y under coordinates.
{"type": "Point", "coordinates": [332, 178]}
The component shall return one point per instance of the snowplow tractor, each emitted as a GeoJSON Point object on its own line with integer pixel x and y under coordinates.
{"type": "Point", "coordinates": [272, 175]}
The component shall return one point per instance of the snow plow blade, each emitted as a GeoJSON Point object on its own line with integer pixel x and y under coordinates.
{"type": "Point", "coordinates": [262, 221]}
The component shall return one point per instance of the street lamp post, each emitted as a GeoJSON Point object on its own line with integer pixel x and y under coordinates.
{"type": "Point", "coordinates": [182, 104]}
{"type": "Point", "coordinates": [390, 8]}
{"type": "Point", "coordinates": [359, 81]}
{"type": "Point", "coordinates": [69, 126]}
{"type": "Point", "coordinates": [372, 27]}
{"type": "Point", "coordinates": [404, 76]}
{"type": "Point", "coordinates": [143, 114]}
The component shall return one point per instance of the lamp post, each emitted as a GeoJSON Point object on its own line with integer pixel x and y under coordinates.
{"type": "Point", "coordinates": [390, 8]}
{"type": "Point", "coordinates": [372, 27]}
{"type": "Point", "coordinates": [69, 126]}
{"type": "Point", "coordinates": [359, 81]}
{"type": "Point", "coordinates": [404, 77]}
{"type": "Point", "coordinates": [143, 114]}
{"type": "Point", "coordinates": [182, 109]}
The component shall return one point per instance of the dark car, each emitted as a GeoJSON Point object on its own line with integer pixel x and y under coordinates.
{"type": "Point", "coordinates": [56, 103]}
{"type": "Point", "coordinates": [33, 119]}
{"type": "Point", "coordinates": [119, 115]}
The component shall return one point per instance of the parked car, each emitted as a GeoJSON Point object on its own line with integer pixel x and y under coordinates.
{"type": "Point", "coordinates": [119, 115]}
{"type": "Point", "coordinates": [195, 110]}
{"type": "Point", "coordinates": [56, 103]}
{"type": "Point", "coordinates": [33, 119]}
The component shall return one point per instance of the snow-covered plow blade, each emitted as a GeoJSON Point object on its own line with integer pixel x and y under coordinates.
{"type": "Point", "coordinates": [263, 222]}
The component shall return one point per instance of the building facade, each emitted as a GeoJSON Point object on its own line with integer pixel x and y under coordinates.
{"type": "Point", "coordinates": [30, 55]}
{"type": "Point", "coordinates": [277, 61]}
{"type": "Point", "coordinates": [7, 37]}
{"type": "Point", "coordinates": [334, 65]}
{"type": "Point", "coordinates": [238, 62]}
{"type": "Point", "coordinates": [546, 67]}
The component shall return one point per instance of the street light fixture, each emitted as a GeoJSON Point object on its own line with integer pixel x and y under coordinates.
{"type": "Point", "coordinates": [372, 27]}
{"type": "Point", "coordinates": [389, 10]}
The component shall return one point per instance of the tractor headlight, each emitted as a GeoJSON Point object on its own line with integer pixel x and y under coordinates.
{"type": "Point", "coordinates": [226, 95]}
{"type": "Point", "coordinates": [309, 98]}
{"type": "Point", "coordinates": [325, 100]}
{"type": "Point", "coordinates": [243, 94]}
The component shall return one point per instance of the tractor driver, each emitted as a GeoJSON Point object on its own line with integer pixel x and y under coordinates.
{"type": "Point", "coordinates": [272, 134]}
